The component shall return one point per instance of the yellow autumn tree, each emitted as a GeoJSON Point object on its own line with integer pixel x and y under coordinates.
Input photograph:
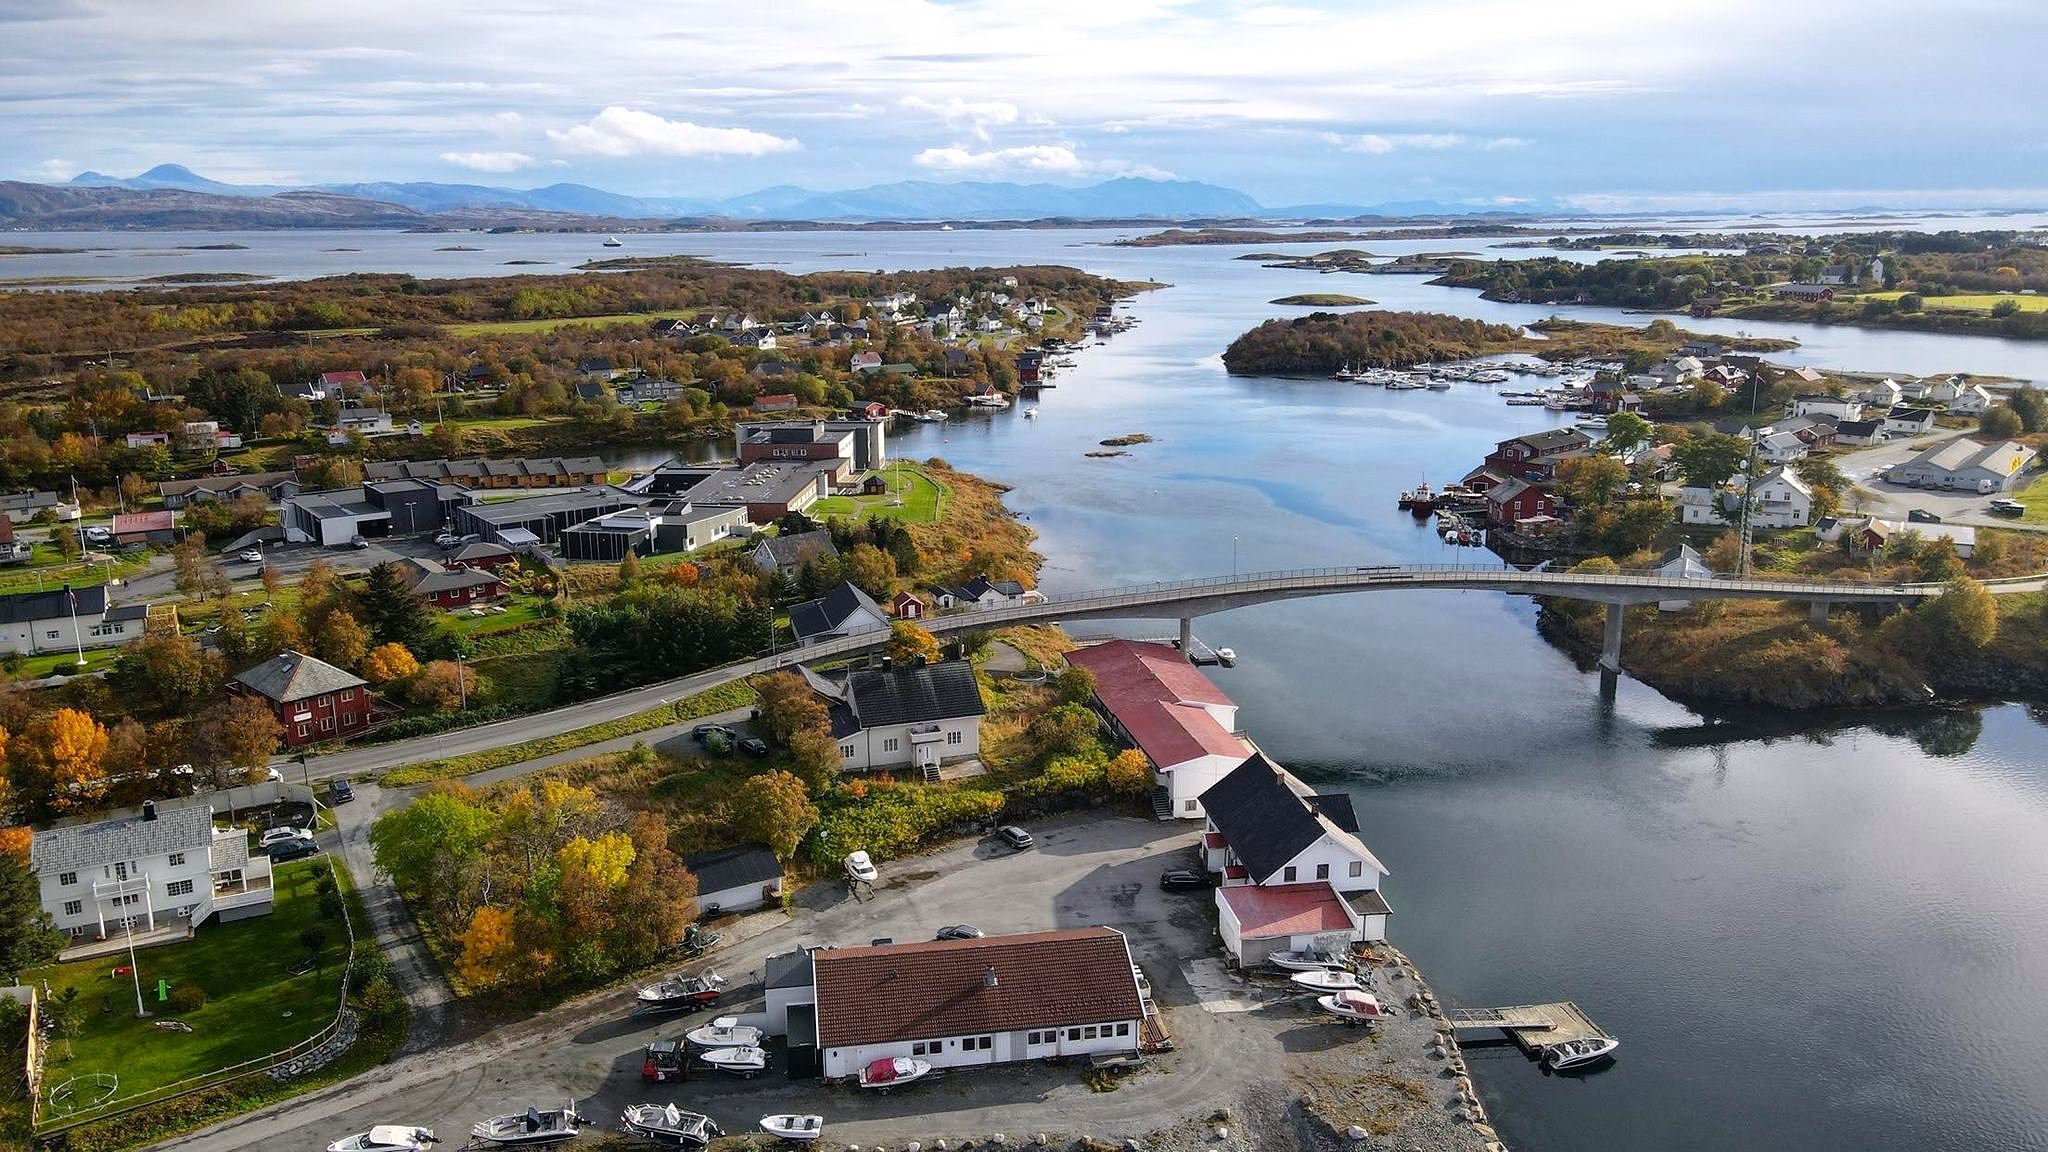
{"type": "Point", "coordinates": [77, 743]}
{"type": "Point", "coordinates": [1130, 773]}
{"type": "Point", "coordinates": [388, 662]}
{"type": "Point", "coordinates": [607, 859]}
{"type": "Point", "coordinates": [488, 947]}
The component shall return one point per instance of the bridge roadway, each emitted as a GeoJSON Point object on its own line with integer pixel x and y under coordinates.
{"type": "Point", "coordinates": [1183, 600]}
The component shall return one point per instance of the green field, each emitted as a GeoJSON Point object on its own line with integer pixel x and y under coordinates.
{"type": "Point", "coordinates": [519, 612]}
{"type": "Point", "coordinates": [1972, 302]}
{"type": "Point", "coordinates": [498, 327]}
{"type": "Point", "coordinates": [254, 1004]}
{"type": "Point", "coordinates": [914, 498]}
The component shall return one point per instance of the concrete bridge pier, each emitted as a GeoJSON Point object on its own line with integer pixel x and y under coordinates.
{"type": "Point", "coordinates": [1187, 637]}
{"type": "Point", "coordinates": [1819, 611]}
{"type": "Point", "coordinates": [1610, 646]}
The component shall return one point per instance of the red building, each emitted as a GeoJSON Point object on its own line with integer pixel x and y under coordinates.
{"type": "Point", "coordinates": [1517, 500]}
{"type": "Point", "coordinates": [312, 699]}
{"type": "Point", "coordinates": [906, 607]}
{"type": "Point", "coordinates": [1535, 456]}
{"type": "Point", "coordinates": [446, 587]}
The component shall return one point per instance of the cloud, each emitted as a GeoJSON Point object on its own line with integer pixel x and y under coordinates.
{"type": "Point", "coordinates": [489, 161]}
{"type": "Point", "coordinates": [1279, 15]}
{"type": "Point", "coordinates": [620, 131]}
{"type": "Point", "coordinates": [55, 171]}
{"type": "Point", "coordinates": [1378, 144]}
{"type": "Point", "coordinates": [979, 115]}
{"type": "Point", "coordinates": [1056, 159]}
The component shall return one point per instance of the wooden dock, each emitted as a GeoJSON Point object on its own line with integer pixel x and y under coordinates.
{"type": "Point", "coordinates": [1532, 1026]}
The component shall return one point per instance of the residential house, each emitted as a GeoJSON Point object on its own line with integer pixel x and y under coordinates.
{"type": "Point", "coordinates": [1517, 500]}
{"type": "Point", "coordinates": [844, 611]}
{"type": "Point", "coordinates": [1838, 407]}
{"type": "Point", "coordinates": [1485, 477]}
{"type": "Point", "coordinates": [22, 507]}
{"type": "Point", "coordinates": [777, 402]}
{"type": "Point", "coordinates": [872, 410]}
{"type": "Point", "coordinates": [593, 391]}
{"type": "Point", "coordinates": [1158, 703]}
{"type": "Point", "coordinates": [981, 592]}
{"type": "Point", "coordinates": [1783, 500]}
{"type": "Point", "coordinates": [594, 367]}
{"type": "Point", "coordinates": [762, 338]}
{"type": "Point", "coordinates": [1069, 994]}
{"type": "Point", "coordinates": [1780, 447]}
{"type": "Point", "coordinates": [867, 362]}
{"type": "Point", "coordinates": [1681, 563]}
{"type": "Point", "coordinates": [736, 879]}
{"type": "Point", "coordinates": [446, 587]}
{"type": "Point", "coordinates": [145, 527]}
{"type": "Point", "coordinates": [1872, 535]}
{"type": "Point", "coordinates": [100, 879]}
{"type": "Point", "coordinates": [272, 486]}
{"type": "Point", "coordinates": [648, 390]}
{"type": "Point", "coordinates": [1859, 433]}
{"type": "Point", "coordinates": [483, 554]}
{"type": "Point", "coordinates": [363, 421]}
{"type": "Point", "coordinates": [1698, 505]}
{"type": "Point", "coordinates": [149, 440]}
{"type": "Point", "coordinates": [313, 700]}
{"type": "Point", "coordinates": [1943, 391]}
{"type": "Point", "coordinates": [1966, 465]}
{"type": "Point", "coordinates": [922, 716]}
{"type": "Point", "coordinates": [788, 554]}
{"type": "Point", "coordinates": [1805, 293]}
{"type": "Point", "coordinates": [957, 361]}
{"type": "Point", "coordinates": [1534, 456]}
{"type": "Point", "coordinates": [341, 384]}
{"type": "Point", "coordinates": [1973, 400]}
{"type": "Point", "coordinates": [67, 619]}
{"type": "Point", "coordinates": [1909, 421]}
{"type": "Point", "coordinates": [1884, 394]}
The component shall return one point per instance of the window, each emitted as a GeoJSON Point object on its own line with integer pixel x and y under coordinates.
{"type": "Point", "coordinates": [1088, 1033]}
{"type": "Point", "coordinates": [50, 635]}
{"type": "Point", "coordinates": [348, 693]}
{"type": "Point", "coordinates": [1287, 874]}
{"type": "Point", "coordinates": [178, 888]}
{"type": "Point", "coordinates": [1322, 871]}
{"type": "Point", "coordinates": [954, 738]}
{"type": "Point", "coordinates": [121, 871]}
{"type": "Point", "coordinates": [1191, 806]}
{"type": "Point", "coordinates": [177, 859]}
{"type": "Point", "coordinates": [302, 729]}
{"type": "Point", "coordinates": [889, 744]}
{"type": "Point", "coordinates": [348, 720]}
{"type": "Point", "coordinates": [327, 723]}
{"type": "Point", "coordinates": [917, 1048]}
{"type": "Point", "coordinates": [978, 1043]}
{"type": "Point", "coordinates": [74, 907]}
{"type": "Point", "coordinates": [1358, 867]}
{"type": "Point", "coordinates": [1124, 1029]}
{"type": "Point", "coordinates": [1050, 1037]}
{"type": "Point", "coordinates": [846, 751]}
{"type": "Point", "coordinates": [1073, 1033]}
{"type": "Point", "coordinates": [67, 879]}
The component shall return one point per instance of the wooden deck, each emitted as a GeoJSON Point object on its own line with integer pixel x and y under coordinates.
{"type": "Point", "coordinates": [1532, 1026]}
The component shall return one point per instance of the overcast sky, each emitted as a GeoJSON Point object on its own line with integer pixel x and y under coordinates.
{"type": "Point", "coordinates": [1593, 103]}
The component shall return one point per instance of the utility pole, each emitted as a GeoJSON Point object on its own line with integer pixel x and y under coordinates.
{"type": "Point", "coordinates": [1748, 499]}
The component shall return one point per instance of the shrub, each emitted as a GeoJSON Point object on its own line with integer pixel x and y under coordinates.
{"type": "Point", "coordinates": [893, 820]}
{"type": "Point", "coordinates": [187, 998]}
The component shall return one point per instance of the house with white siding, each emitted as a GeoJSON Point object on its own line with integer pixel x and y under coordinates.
{"type": "Point", "coordinates": [921, 717]}
{"type": "Point", "coordinates": [1783, 500]}
{"type": "Point", "coordinates": [144, 871]}
{"type": "Point", "coordinates": [66, 620]}
{"type": "Point", "coordinates": [844, 611]}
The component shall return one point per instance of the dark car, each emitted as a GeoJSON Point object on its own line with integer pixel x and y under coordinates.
{"type": "Point", "coordinates": [1181, 879]}
{"type": "Point", "coordinates": [339, 792]}
{"type": "Point", "coordinates": [1015, 837]}
{"type": "Point", "coordinates": [1922, 516]}
{"type": "Point", "coordinates": [959, 932]}
{"type": "Point", "coordinates": [754, 746]}
{"type": "Point", "coordinates": [704, 733]}
{"type": "Point", "coordinates": [292, 849]}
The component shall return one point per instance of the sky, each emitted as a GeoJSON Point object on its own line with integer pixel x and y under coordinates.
{"type": "Point", "coordinates": [1588, 104]}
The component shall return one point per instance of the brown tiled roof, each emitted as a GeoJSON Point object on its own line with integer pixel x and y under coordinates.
{"type": "Point", "coordinates": [925, 991]}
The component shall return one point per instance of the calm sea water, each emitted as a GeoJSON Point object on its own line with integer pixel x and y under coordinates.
{"type": "Point", "coordinates": [1828, 934]}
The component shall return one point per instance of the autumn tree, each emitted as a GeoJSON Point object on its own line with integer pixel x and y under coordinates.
{"type": "Point", "coordinates": [871, 569]}
{"type": "Point", "coordinates": [658, 901]}
{"type": "Point", "coordinates": [1708, 461]}
{"type": "Point", "coordinates": [1591, 481]}
{"type": "Point", "coordinates": [1964, 618]}
{"type": "Point", "coordinates": [238, 734]}
{"type": "Point", "coordinates": [429, 846]}
{"type": "Point", "coordinates": [814, 754]}
{"type": "Point", "coordinates": [442, 685]}
{"type": "Point", "coordinates": [1075, 685]}
{"type": "Point", "coordinates": [629, 569]}
{"type": "Point", "coordinates": [2000, 422]}
{"type": "Point", "coordinates": [341, 641]}
{"type": "Point", "coordinates": [774, 808]}
{"type": "Point", "coordinates": [1724, 555]}
{"type": "Point", "coordinates": [909, 644]}
{"type": "Point", "coordinates": [167, 671]}
{"type": "Point", "coordinates": [388, 662]}
{"type": "Point", "coordinates": [788, 706]}
{"type": "Point", "coordinates": [607, 858]}
{"type": "Point", "coordinates": [1129, 773]}
{"type": "Point", "coordinates": [489, 948]}
{"type": "Point", "coordinates": [1066, 728]}
{"type": "Point", "coordinates": [73, 745]}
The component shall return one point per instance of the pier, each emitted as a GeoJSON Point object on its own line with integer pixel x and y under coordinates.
{"type": "Point", "coordinates": [1533, 1027]}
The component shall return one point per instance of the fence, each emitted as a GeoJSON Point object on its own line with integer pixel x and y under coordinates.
{"type": "Point", "coordinates": [122, 1105]}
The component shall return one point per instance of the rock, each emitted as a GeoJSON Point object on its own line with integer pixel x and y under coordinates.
{"type": "Point", "coordinates": [1354, 1133]}
{"type": "Point", "coordinates": [913, 1146]}
{"type": "Point", "coordinates": [999, 1139]}
{"type": "Point", "coordinates": [1221, 1133]}
{"type": "Point", "coordinates": [1131, 1144]}
{"type": "Point", "coordinates": [1041, 1140]}
{"type": "Point", "coordinates": [939, 1145]}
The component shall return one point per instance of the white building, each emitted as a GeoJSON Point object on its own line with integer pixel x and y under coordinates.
{"type": "Point", "coordinates": [1966, 465]}
{"type": "Point", "coordinates": [922, 717]}
{"type": "Point", "coordinates": [1974, 400]}
{"type": "Point", "coordinates": [1780, 447]}
{"type": "Point", "coordinates": [1699, 506]}
{"type": "Point", "coordinates": [1884, 394]}
{"type": "Point", "coordinates": [98, 879]}
{"type": "Point", "coordinates": [736, 879]}
{"type": "Point", "coordinates": [844, 611]}
{"type": "Point", "coordinates": [982, 592]}
{"type": "Point", "coordinates": [332, 519]}
{"type": "Point", "coordinates": [1908, 421]}
{"type": "Point", "coordinates": [1156, 701]}
{"type": "Point", "coordinates": [65, 620]}
{"type": "Point", "coordinates": [974, 1003]}
{"type": "Point", "coordinates": [1837, 407]}
{"type": "Point", "coordinates": [1783, 500]}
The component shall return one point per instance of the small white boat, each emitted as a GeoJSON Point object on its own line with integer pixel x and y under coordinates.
{"type": "Point", "coordinates": [893, 1072]}
{"type": "Point", "coordinates": [796, 1129]}
{"type": "Point", "coordinates": [613, 242]}
{"type": "Point", "coordinates": [724, 1032]}
{"type": "Point", "coordinates": [1031, 413]}
{"type": "Point", "coordinates": [1326, 980]}
{"type": "Point", "coordinates": [530, 1127]}
{"type": "Point", "coordinates": [746, 1062]}
{"type": "Point", "coordinates": [668, 1124]}
{"type": "Point", "coordinates": [1308, 960]}
{"type": "Point", "coordinates": [1353, 1006]}
{"type": "Point", "coordinates": [931, 416]}
{"type": "Point", "coordinates": [1579, 1053]}
{"type": "Point", "coordinates": [1227, 657]}
{"type": "Point", "coordinates": [387, 1138]}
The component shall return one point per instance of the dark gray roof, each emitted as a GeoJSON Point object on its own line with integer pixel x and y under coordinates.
{"type": "Point", "coordinates": [1858, 427]}
{"type": "Point", "coordinates": [1266, 822]}
{"type": "Point", "coordinates": [481, 550]}
{"type": "Point", "coordinates": [914, 695]}
{"type": "Point", "coordinates": [128, 612]}
{"type": "Point", "coordinates": [28, 607]}
{"type": "Point", "coordinates": [789, 551]}
{"type": "Point", "coordinates": [791, 969]}
{"type": "Point", "coordinates": [733, 867]}
{"type": "Point", "coordinates": [78, 847]}
{"type": "Point", "coordinates": [450, 579]}
{"type": "Point", "coordinates": [225, 483]}
{"type": "Point", "coordinates": [291, 676]}
{"type": "Point", "coordinates": [1553, 439]}
{"type": "Point", "coordinates": [828, 612]}
{"type": "Point", "coordinates": [980, 586]}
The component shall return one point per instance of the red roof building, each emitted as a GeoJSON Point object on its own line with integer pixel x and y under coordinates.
{"type": "Point", "coordinates": [1256, 921]}
{"type": "Point", "coordinates": [1158, 702]}
{"type": "Point", "coordinates": [145, 527]}
{"type": "Point", "coordinates": [775, 402]}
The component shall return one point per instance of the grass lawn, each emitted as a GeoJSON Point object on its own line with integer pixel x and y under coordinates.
{"type": "Point", "coordinates": [520, 611]}
{"type": "Point", "coordinates": [490, 327]}
{"type": "Point", "coordinates": [38, 576]}
{"type": "Point", "coordinates": [1967, 302]}
{"type": "Point", "coordinates": [37, 667]}
{"type": "Point", "coordinates": [254, 1005]}
{"type": "Point", "coordinates": [914, 498]}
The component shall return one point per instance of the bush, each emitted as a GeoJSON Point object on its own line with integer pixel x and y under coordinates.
{"type": "Point", "coordinates": [186, 998]}
{"type": "Point", "coordinates": [891, 820]}
{"type": "Point", "coordinates": [380, 998]}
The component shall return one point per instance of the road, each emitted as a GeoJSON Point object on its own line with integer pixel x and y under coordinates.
{"type": "Point", "coordinates": [1085, 871]}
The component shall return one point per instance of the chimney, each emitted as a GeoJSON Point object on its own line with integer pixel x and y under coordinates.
{"type": "Point", "coordinates": [149, 809]}
{"type": "Point", "coordinates": [988, 978]}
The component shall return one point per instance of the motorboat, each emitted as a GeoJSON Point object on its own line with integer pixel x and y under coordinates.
{"type": "Point", "coordinates": [1226, 657]}
{"type": "Point", "coordinates": [1579, 1053]}
{"type": "Point", "coordinates": [668, 1124]}
{"type": "Point", "coordinates": [387, 1138]}
{"type": "Point", "coordinates": [1031, 413]}
{"type": "Point", "coordinates": [1352, 1006]}
{"type": "Point", "coordinates": [613, 242]}
{"type": "Point", "coordinates": [724, 1032]}
{"type": "Point", "coordinates": [679, 992]}
{"type": "Point", "coordinates": [531, 1127]}
{"type": "Point", "coordinates": [930, 416]}
{"type": "Point", "coordinates": [1308, 960]}
{"type": "Point", "coordinates": [1326, 980]}
{"type": "Point", "coordinates": [1438, 384]}
{"type": "Point", "coordinates": [793, 1128]}
{"type": "Point", "coordinates": [893, 1072]}
{"type": "Point", "coordinates": [745, 1062]}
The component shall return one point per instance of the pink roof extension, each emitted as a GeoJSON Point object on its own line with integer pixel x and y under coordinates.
{"type": "Point", "coordinates": [1158, 698]}
{"type": "Point", "coordinates": [1286, 909]}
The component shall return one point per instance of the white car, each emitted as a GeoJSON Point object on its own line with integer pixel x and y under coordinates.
{"type": "Point", "coordinates": [859, 867]}
{"type": "Point", "coordinates": [252, 555]}
{"type": "Point", "coordinates": [280, 835]}
{"type": "Point", "coordinates": [447, 540]}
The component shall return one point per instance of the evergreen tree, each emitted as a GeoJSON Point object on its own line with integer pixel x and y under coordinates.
{"type": "Point", "coordinates": [395, 614]}
{"type": "Point", "coordinates": [28, 936]}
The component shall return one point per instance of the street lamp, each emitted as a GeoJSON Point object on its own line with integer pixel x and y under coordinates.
{"type": "Point", "coordinates": [77, 638]}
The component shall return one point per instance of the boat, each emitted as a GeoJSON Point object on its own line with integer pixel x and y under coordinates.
{"type": "Point", "coordinates": [745, 1062]}
{"type": "Point", "coordinates": [1308, 960]}
{"type": "Point", "coordinates": [1490, 376]}
{"type": "Point", "coordinates": [930, 416]}
{"type": "Point", "coordinates": [387, 1138]}
{"type": "Point", "coordinates": [724, 1032]}
{"type": "Point", "coordinates": [530, 1127]}
{"type": "Point", "coordinates": [1353, 1006]}
{"type": "Point", "coordinates": [1421, 499]}
{"type": "Point", "coordinates": [794, 1128]}
{"type": "Point", "coordinates": [1326, 980]}
{"type": "Point", "coordinates": [893, 1072]}
{"type": "Point", "coordinates": [1226, 657]}
{"type": "Point", "coordinates": [1579, 1053]}
{"type": "Point", "coordinates": [1524, 401]}
{"type": "Point", "coordinates": [1344, 375]}
{"type": "Point", "coordinates": [1438, 384]}
{"type": "Point", "coordinates": [681, 992]}
{"type": "Point", "coordinates": [668, 1124]}
{"type": "Point", "coordinates": [613, 242]}
{"type": "Point", "coordinates": [1031, 413]}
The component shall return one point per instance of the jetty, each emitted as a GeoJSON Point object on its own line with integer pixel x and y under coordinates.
{"type": "Point", "coordinates": [1533, 1027]}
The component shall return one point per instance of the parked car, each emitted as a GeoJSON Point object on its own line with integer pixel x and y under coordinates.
{"type": "Point", "coordinates": [292, 849]}
{"type": "Point", "coordinates": [447, 540]}
{"type": "Point", "coordinates": [252, 555]}
{"type": "Point", "coordinates": [1015, 837]}
{"type": "Point", "coordinates": [959, 932]}
{"type": "Point", "coordinates": [754, 746]}
{"type": "Point", "coordinates": [703, 733]}
{"type": "Point", "coordinates": [1922, 516]}
{"type": "Point", "coordinates": [1181, 879]}
{"type": "Point", "coordinates": [358, 542]}
{"type": "Point", "coordinates": [859, 867]}
{"type": "Point", "coordinates": [279, 835]}
{"type": "Point", "coordinates": [98, 534]}
{"type": "Point", "coordinates": [2006, 506]}
{"type": "Point", "coordinates": [338, 792]}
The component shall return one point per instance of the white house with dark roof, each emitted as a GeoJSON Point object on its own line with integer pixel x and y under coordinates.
{"type": "Point", "coordinates": [922, 717]}
{"type": "Point", "coordinates": [1783, 500]}
{"type": "Point", "coordinates": [844, 611]}
{"type": "Point", "coordinates": [98, 879]}
{"type": "Point", "coordinates": [67, 619]}
{"type": "Point", "coordinates": [737, 879]}
{"type": "Point", "coordinates": [982, 592]}
{"type": "Point", "coordinates": [788, 553]}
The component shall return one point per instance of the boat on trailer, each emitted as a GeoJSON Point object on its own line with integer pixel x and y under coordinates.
{"type": "Point", "coordinates": [1308, 960]}
{"type": "Point", "coordinates": [893, 1072]}
{"type": "Point", "coordinates": [530, 1128]}
{"type": "Point", "coordinates": [1580, 1053]}
{"type": "Point", "coordinates": [680, 992]}
{"type": "Point", "coordinates": [724, 1032]}
{"type": "Point", "coordinates": [668, 1124]}
{"type": "Point", "coordinates": [1326, 980]}
{"type": "Point", "coordinates": [387, 1138]}
{"type": "Point", "coordinates": [794, 1128]}
{"type": "Point", "coordinates": [746, 1063]}
{"type": "Point", "coordinates": [1353, 1006]}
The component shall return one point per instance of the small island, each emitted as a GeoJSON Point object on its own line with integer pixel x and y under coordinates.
{"type": "Point", "coordinates": [1182, 236]}
{"type": "Point", "coordinates": [1126, 441]}
{"type": "Point", "coordinates": [228, 247]}
{"type": "Point", "coordinates": [1323, 342]}
{"type": "Point", "coordinates": [457, 248]}
{"type": "Point", "coordinates": [205, 278]}
{"type": "Point", "coordinates": [1323, 300]}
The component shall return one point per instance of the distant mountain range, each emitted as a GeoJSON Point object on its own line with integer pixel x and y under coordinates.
{"type": "Point", "coordinates": [173, 196]}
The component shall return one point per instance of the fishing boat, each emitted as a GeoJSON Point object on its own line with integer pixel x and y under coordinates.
{"type": "Point", "coordinates": [1308, 960]}
{"type": "Point", "coordinates": [531, 1127]}
{"type": "Point", "coordinates": [794, 1128]}
{"type": "Point", "coordinates": [724, 1032]}
{"type": "Point", "coordinates": [1525, 401]}
{"type": "Point", "coordinates": [1326, 980]}
{"type": "Point", "coordinates": [387, 1138]}
{"type": "Point", "coordinates": [745, 1062]}
{"type": "Point", "coordinates": [1579, 1053]}
{"type": "Point", "coordinates": [893, 1072]}
{"type": "Point", "coordinates": [613, 242]}
{"type": "Point", "coordinates": [1344, 375]}
{"type": "Point", "coordinates": [1420, 500]}
{"type": "Point", "coordinates": [668, 1124]}
{"type": "Point", "coordinates": [1353, 1006]}
{"type": "Point", "coordinates": [680, 992]}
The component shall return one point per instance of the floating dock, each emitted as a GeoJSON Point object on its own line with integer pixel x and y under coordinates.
{"type": "Point", "coordinates": [1533, 1027]}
